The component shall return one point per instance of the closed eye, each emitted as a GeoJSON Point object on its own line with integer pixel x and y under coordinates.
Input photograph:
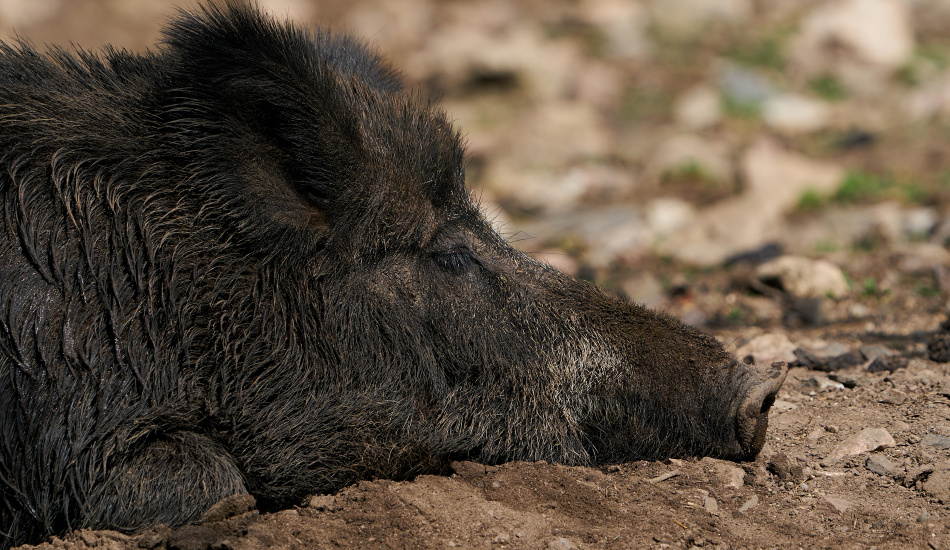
{"type": "Point", "coordinates": [456, 260]}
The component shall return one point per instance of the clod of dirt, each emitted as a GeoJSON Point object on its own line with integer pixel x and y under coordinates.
{"type": "Point", "coordinates": [234, 505]}
{"type": "Point", "coordinates": [938, 485]}
{"type": "Point", "coordinates": [788, 470]}
{"type": "Point", "coordinates": [193, 537]}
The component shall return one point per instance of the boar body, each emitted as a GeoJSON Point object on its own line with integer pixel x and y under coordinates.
{"type": "Point", "coordinates": [247, 263]}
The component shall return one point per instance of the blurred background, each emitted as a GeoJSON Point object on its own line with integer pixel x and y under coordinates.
{"type": "Point", "coordinates": [645, 144]}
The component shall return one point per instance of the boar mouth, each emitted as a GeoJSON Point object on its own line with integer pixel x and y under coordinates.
{"type": "Point", "coordinates": [752, 419]}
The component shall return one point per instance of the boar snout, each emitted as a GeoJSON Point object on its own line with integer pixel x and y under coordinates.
{"type": "Point", "coordinates": [752, 419]}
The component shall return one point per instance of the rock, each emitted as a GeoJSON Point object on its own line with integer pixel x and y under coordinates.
{"type": "Point", "coordinates": [926, 516]}
{"type": "Point", "coordinates": [775, 179]}
{"type": "Point", "coordinates": [744, 85]}
{"type": "Point", "coordinates": [668, 214]}
{"type": "Point", "coordinates": [234, 505]}
{"type": "Point", "coordinates": [880, 465]}
{"type": "Point", "coordinates": [868, 439]}
{"type": "Point", "coordinates": [936, 441]}
{"type": "Point", "coordinates": [624, 25]}
{"type": "Point", "coordinates": [710, 504]}
{"type": "Point", "coordinates": [874, 32]}
{"type": "Point", "coordinates": [804, 277]}
{"type": "Point", "coordinates": [822, 383]}
{"type": "Point", "coordinates": [749, 504]}
{"type": "Point", "coordinates": [562, 543]}
{"type": "Point", "coordinates": [645, 289]}
{"type": "Point", "coordinates": [887, 363]}
{"type": "Point", "coordinates": [698, 108]}
{"type": "Point", "coordinates": [728, 473]}
{"type": "Point", "coordinates": [923, 258]}
{"type": "Point", "coordinates": [559, 260]}
{"type": "Point", "coordinates": [794, 114]}
{"type": "Point", "coordinates": [606, 232]}
{"type": "Point", "coordinates": [873, 351]}
{"type": "Point", "coordinates": [768, 348]}
{"type": "Point", "coordinates": [839, 505]}
{"type": "Point", "coordinates": [894, 397]}
{"type": "Point", "coordinates": [684, 18]}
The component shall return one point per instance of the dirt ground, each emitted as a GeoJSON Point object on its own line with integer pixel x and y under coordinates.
{"type": "Point", "coordinates": [806, 489]}
{"type": "Point", "coordinates": [858, 452]}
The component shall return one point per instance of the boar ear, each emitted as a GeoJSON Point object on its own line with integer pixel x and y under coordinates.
{"type": "Point", "coordinates": [262, 106]}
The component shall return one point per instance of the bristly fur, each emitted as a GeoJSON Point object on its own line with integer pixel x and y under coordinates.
{"type": "Point", "coordinates": [247, 262]}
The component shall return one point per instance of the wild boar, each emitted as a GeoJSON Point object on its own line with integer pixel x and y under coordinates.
{"type": "Point", "coordinates": [247, 262]}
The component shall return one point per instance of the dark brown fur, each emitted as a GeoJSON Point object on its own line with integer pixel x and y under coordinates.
{"type": "Point", "coordinates": [248, 262]}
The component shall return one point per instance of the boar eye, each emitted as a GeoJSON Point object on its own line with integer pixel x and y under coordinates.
{"type": "Point", "coordinates": [456, 260]}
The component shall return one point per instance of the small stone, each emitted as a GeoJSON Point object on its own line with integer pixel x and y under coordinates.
{"type": "Point", "coordinates": [804, 277]}
{"type": "Point", "coordinates": [936, 441]}
{"type": "Point", "coordinates": [792, 113]}
{"type": "Point", "coordinates": [925, 516]}
{"type": "Point", "coordinates": [749, 504]}
{"type": "Point", "coordinates": [822, 383]}
{"type": "Point", "coordinates": [768, 348]}
{"type": "Point", "coordinates": [873, 351]}
{"type": "Point", "coordinates": [501, 538]}
{"type": "Point", "coordinates": [710, 504]}
{"type": "Point", "coordinates": [880, 465]}
{"type": "Point", "coordinates": [893, 397]}
{"type": "Point", "coordinates": [840, 505]}
{"type": "Point", "coordinates": [887, 363]}
{"type": "Point", "coordinates": [728, 473]}
{"type": "Point", "coordinates": [562, 543]}
{"type": "Point", "coordinates": [698, 108]}
{"type": "Point", "coordinates": [868, 439]}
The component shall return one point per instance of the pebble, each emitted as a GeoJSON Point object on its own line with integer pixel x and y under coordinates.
{"type": "Point", "coordinates": [822, 383]}
{"type": "Point", "coordinates": [749, 504]}
{"type": "Point", "coordinates": [562, 543]}
{"type": "Point", "coordinates": [698, 108]}
{"type": "Point", "coordinates": [804, 277]}
{"type": "Point", "coordinates": [936, 441]}
{"type": "Point", "coordinates": [895, 397]}
{"type": "Point", "coordinates": [876, 32]}
{"type": "Point", "coordinates": [880, 465]}
{"type": "Point", "coordinates": [793, 113]}
{"type": "Point", "coordinates": [838, 504]}
{"type": "Point", "coordinates": [710, 504]}
{"type": "Point", "coordinates": [868, 439]}
{"type": "Point", "coordinates": [768, 348]}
